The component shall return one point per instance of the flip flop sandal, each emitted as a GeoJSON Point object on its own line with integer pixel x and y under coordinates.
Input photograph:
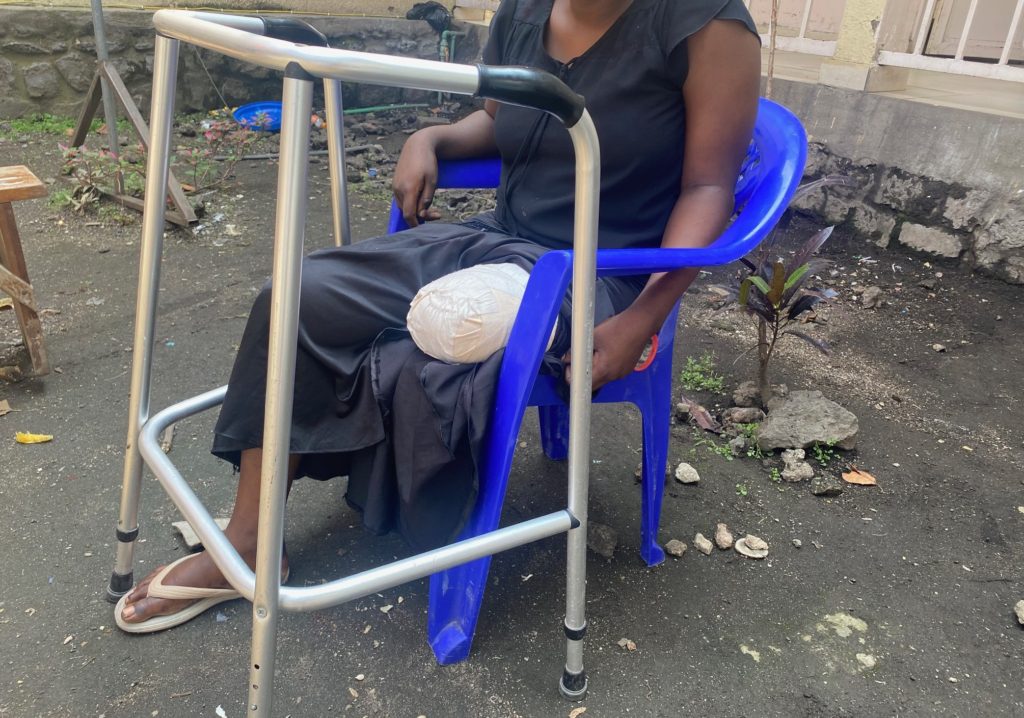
{"type": "Point", "coordinates": [207, 599]}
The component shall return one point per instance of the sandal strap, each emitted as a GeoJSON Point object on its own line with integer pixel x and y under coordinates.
{"type": "Point", "coordinates": [157, 589]}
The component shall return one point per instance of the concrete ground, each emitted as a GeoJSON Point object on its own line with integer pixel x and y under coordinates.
{"type": "Point", "coordinates": [899, 601]}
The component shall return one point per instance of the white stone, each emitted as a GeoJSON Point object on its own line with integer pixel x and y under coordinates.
{"type": "Point", "coordinates": [686, 474]}
{"type": "Point", "coordinates": [703, 544]}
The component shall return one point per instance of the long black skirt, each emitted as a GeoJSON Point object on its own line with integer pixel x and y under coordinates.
{"type": "Point", "coordinates": [353, 304]}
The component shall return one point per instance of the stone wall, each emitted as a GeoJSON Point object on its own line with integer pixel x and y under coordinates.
{"type": "Point", "coordinates": [944, 182]}
{"type": "Point", "coordinates": [47, 59]}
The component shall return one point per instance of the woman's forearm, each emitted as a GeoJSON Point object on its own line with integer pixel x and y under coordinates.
{"type": "Point", "coordinates": [700, 215]}
{"type": "Point", "coordinates": [472, 136]}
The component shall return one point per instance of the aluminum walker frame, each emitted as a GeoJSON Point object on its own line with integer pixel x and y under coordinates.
{"type": "Point", "coordinates": [300, 52]}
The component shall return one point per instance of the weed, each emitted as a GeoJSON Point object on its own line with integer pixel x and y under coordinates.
{"type": "Point", "coordinates": [47, 124]}
{"type": "Point", "coordinates": [226, 144]}
{"type": "Point", "coordinates": [699, 375]}
{"type": "Point", "coordinates": [115, 214]}
{"type": "Point", "coordinates": [749, 432]}
{"type": "Point", "coordinates": [825, 453]}
{"type": "Point", "coordinates": [723, 450]}
{"type": "Point", "coordinates": [59, 198]}
{"type": "Point", "coordinates": [741, 489]}
{"type": "Point", "coordinates": [775, 475]}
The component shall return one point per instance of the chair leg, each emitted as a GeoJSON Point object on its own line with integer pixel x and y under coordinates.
{"type": "Point", "coordinates": [13, 259]}
{"type": "Point", "coordinates": [554, 431]}
{"type": "Point", "coordinates": [656, 417]}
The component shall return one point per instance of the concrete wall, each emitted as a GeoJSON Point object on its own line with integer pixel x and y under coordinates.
{"type": "Point", "coordinates": [933, 179]}
{"type": "Point", "coordinates": [47, 59]}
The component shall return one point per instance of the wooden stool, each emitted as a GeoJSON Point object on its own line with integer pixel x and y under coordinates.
{"type": "Point", "coordinates": [17, 183]}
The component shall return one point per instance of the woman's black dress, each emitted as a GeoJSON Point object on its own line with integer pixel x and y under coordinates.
{"type": "Point", "coordinates": [406, 429]}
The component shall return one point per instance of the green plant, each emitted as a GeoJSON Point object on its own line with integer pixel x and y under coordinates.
{"type": "Point", "coordinates": [723, 450]}
{"type": "Point", "coordinates": [46, 124]}
{"type": "Point", "coordinates": [775, 475]}
{"type": "Point", "coordinates": [59, 198]}
{"type": "Point", "coordinates": [699, 375]}
{"type": "Point", "coordinates": [226, 144]}
{"type": "Point", "coordinates": [749, 432]}
{"type": "Point", "coordinates": [741, 489]}
{"type": "Point", "coordinates": [771, 290]}
{"type": "Point", "coordinates": [94, 173]}
{"type": "Point", "coordinates": [825, 453]}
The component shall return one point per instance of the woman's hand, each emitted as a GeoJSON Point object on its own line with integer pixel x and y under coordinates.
{"type": "Point", "coordinates": [618, 344]}
{"type": "Point", "coordinates": [416, 179]}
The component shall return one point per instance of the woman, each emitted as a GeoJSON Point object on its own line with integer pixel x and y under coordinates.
{"type": "Point", "coordinates": [672, 87]}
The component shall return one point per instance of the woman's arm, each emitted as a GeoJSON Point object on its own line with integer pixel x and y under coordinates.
{"type": "Point", "coordinates": [721, 94]}
{"type": "Point", "coordinates": [416, 173]}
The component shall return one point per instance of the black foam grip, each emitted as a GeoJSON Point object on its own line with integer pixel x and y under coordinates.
{"type": "Point", "coordinates": [530, 87]}
{"type": "Point", "coordinates": [292, 30]}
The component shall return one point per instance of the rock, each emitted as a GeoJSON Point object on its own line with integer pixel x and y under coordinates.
{"type": "Point", "coordinates": [686, 474]}
{"type": "Point", "coordinates": [752, 546]}
{"type": "Point", "coordinates": [626, 644]}
{"type": "Point", "coordinates": [805, 418]}
{"type": "Point", "coordinates": [1019, 610]}
{"type": "Point", "coordinates": [826, 486]}
{"type": "Point", "coordinates": [796, 468]}
{"type": "Point", "coordinates": [747, 395]}
{"type": "Point", "coordinates": [6, 76]}
{"type": "Point", "coordinates": [742, 415]}
{"type": "Point", "coordinates": [940, 348]}
{"type": "Point", "coordinates": [702, 544]}
{"type": "Point", "coordinates": [602, 539]}
{"type": "Point", "coordinates": [723, 537]}
{"type": "Point", "coordinates": [675, 547]}
{"type": "Point", "coordinates": [738, 445]}
{"type": "Point", "coordinates": [189, 535]}
{"type": "Point", "coordinates": [928, 283]}
{"type": "Point", "coordinates": [797, 543]}
{"type": "Point", "coordinates": [682, 411]}
{"type": "Point", "coordinates": [872, 298]}
{"type": "Point", "coordinates": [931, 240]}
{"type": "Point", "coordinates": [41, 80]}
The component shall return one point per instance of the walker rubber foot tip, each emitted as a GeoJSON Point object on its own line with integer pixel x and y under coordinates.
{"type": "Point", "coordinates": [119, 586]}
{"type": "Point", "coordinates": [573, 685]}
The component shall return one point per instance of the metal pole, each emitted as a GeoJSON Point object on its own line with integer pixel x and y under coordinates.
{"type": "Point", "coordinates": [336, 161]}
{"type": "Point", "coordinates": [289, 233]}
{"type": "Point", "coordinates": [573, 684]}
{"type": "Point", "coordinates": [109, 107]}
{"type": "Point", "coordinates": [165, 65]}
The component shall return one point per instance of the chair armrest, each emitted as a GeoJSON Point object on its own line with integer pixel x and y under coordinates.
{"type": "Point", "coordinates": [476, 173]}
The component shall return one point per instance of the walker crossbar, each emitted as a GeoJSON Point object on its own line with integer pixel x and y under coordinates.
{"type": "Point", "coordinates": [247, 39]}
{"type": "Point", "coordinates": [329, 594]}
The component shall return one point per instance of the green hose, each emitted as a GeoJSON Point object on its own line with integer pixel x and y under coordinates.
{"type": "Point", "coordinates": [382, 108]}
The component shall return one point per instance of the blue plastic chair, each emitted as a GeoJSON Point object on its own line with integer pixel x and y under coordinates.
{"type": "Point", "coordinates": [770, 175]}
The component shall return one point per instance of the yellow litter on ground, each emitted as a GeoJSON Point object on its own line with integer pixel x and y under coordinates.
{"type": "Point", "coordinates": [24, 438]}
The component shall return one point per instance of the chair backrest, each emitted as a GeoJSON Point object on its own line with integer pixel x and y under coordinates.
{"type": "Point", "coordinates": [776, 155]}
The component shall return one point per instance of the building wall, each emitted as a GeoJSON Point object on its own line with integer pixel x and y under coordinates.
{"type": "Point", "coordinates": [942, 181]}
{"type": "Point", "coordinates": [47, 60]}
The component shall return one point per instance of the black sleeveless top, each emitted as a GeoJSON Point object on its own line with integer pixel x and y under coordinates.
{"type": "Point", "coordinates": [632, 80]}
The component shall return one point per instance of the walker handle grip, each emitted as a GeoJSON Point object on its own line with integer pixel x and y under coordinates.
{"type": "Point", "coordinates": [292, 30]}
{"type": "Point", "coordinates": [530, 87]}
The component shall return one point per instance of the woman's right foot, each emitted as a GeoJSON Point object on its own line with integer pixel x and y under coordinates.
{"type": "Point", "coordinates": [198, 572]}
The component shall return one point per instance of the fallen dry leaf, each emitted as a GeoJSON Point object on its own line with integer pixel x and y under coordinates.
{"type": "Point", "coordinates": [577, 712]}
{"type": "Point", "coordinates": [858, 477]}
{"type": "Point", "coordinates": [24, 438]}
{"type": "Point", "coordinates": [6, 303]}
{"type": "Point", "coordinates": [5, 407]}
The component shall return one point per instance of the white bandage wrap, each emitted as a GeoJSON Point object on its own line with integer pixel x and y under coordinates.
{"type": "Point", "coordinates": [467, 315]}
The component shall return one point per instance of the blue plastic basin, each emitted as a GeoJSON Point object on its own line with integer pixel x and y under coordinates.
{"type": "Point", "coordinates": [247, 114]}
